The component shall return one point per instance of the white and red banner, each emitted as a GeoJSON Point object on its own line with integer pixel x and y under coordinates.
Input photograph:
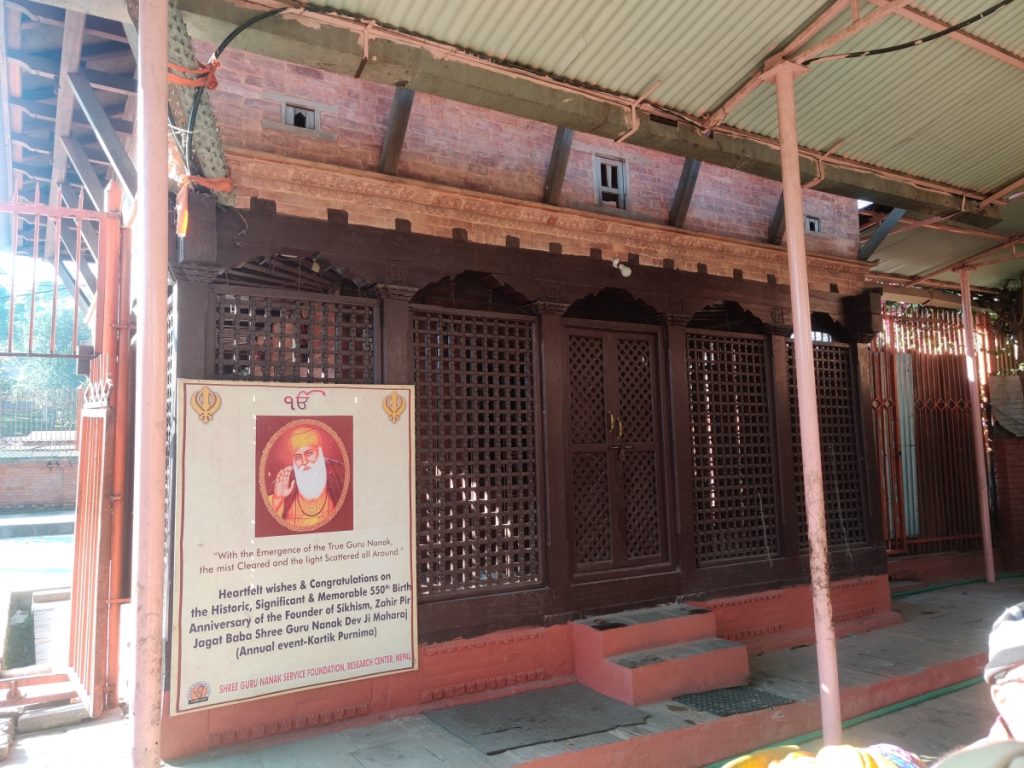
{"type": "Point", "coordinates": [294, 558]}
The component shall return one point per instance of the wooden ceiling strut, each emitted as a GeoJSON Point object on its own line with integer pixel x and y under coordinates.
{"type": "Point", "coordinates": [83, 167]}
{"type": "Point", "coordinates": [881, 232]}
{"type": "Point", "coordinates": [684, 192]}
{"type": "Point", "coordinates": [557, 165]}
{"type": "Point", "coordinates": [777, 229]}
{"type": "Point", "coordinates": [105, 133]}
{"type": "Point", "coordinates": [394, 134]}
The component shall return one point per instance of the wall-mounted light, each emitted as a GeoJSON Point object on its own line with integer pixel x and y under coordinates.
{"type": "Point", "coordinates": [624, 269]}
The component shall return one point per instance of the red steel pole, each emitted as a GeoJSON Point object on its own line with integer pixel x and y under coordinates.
{"type": "Point", "coordinates": [807, 402]}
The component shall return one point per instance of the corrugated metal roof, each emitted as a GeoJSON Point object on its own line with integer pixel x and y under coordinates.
{"type": "Point", "coordinates": [937, 111]}
{"type": "Point", "coordinates": [920, 250]}
{"type": "Point", "coordinates": [942, 111]}
{"type": "Point", "coordinates": [699, 50]}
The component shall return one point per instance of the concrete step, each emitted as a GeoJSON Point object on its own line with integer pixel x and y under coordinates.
{"type": "Point", "coordinates": [611, 634]}
{"type": "Point", "coordinates": [27, 524]}
{"type": "Point", "coordinates": [656, 674]}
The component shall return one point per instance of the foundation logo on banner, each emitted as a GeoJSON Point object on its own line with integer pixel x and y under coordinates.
{"type": "Point", "coordinates": [198, 692]}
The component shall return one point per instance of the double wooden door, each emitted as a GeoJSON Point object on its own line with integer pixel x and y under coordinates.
{"type": "Point", "coordinates": [614, 466]}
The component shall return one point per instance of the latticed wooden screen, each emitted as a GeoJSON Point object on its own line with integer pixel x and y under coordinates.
{"type": "Point", "coordinates": [589, 428]}
{"type": "Point", "coordinates": [638, 452]}
{"type": "Point", "coordinates": [279, 336]}
{"type": "Point", "coordinates": [840, 458]}
{"type": "Point", "coordinates": [477, 515]}
{"type": "Point", "coordinates": [733, 477]}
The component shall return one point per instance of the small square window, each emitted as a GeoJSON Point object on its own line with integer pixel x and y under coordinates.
{"type": "Point", "coordinates": [812, 224]}
{"type": "Point", "coordinates": [610, 182]}
{"type": "Point", "coordinates": [300, 117]}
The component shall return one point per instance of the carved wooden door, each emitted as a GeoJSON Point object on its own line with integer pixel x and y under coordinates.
{"type": "Point", "coordinates": [614, 467]}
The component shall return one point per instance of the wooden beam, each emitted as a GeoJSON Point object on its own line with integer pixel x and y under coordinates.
{"type": "Point", "coordinates": [684, 192]}
{"type": "Point", "coordinates": [42, 66]}
{"type": "Point", "coordinates": [881, 232]}
{"type": "Point", "coordinates": [48, 112]}
{"type": "Point", "coordinates": [126, 85]}
{"type": "Point", "coordinates": [105, 133]}
{"type": "Point", "coordinates": [337, 46]}
{"type": "Point", "coordinates": [394, 136]}
{"type": "Point", "coordinates": [557, 164]}
{"type": "Point", "coordinates": [777, 229]}
{"type": "Point", "coordinates": [83, 167]}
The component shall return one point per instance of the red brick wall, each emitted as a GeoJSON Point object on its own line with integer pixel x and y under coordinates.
{"type": "Point", "coordinates": [38, 483]}
{"type": "Point", "coordinates": [1009, 461]}
{"type": "Point", "coordinates": [472, 148]}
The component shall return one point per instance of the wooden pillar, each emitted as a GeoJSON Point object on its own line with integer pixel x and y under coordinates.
{"type": "Point", "coordinates": [786, 469]}
{"type": "Point", "coordinates": [554, 377]}
{"type": "Point", "coordinates": [681, 435]}
{"type": "Point", "coordinates": [193, 268]}
{"type": "Point", "coordinates": [395, 334]}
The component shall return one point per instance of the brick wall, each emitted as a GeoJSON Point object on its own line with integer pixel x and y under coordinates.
{"type": "Point", "coordinates": [1009, 461]}
{"type": "Point", "coordinates": [38, 483]}
{"type": "Point", "coordinates": [471, 148]}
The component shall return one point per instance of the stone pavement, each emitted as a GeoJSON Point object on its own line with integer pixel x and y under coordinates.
{"type": "Point", "coordinates": [941, 641]}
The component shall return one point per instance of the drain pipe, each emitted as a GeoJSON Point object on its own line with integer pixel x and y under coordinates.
{"type": "Point", "coordinates": [149, 257]}
{"type": "Point", "coordinates": [980, 469]}
{"type": "Point", "coordinates": [807, 401]}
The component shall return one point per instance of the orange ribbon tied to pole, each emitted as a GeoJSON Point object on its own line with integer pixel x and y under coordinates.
{"type": "Point", "coordinates": [181, 202]}
{"type": "Point", "coordinates": [194, 77]}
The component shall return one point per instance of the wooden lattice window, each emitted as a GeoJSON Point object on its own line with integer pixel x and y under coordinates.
{"type": "Point", "coordinates": [477, 518]}
{"type": "Point", "coordinates": [840, 458]}
{"type": "Point", "coordinates": [280, 336]}
{"type": "Point", "coordinates": [733, 474]}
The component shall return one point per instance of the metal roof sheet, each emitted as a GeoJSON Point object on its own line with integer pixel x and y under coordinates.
{"type": "Point", "coordinates": [919, 250]}
{"type": "Point", "coordinates": [699, 50]}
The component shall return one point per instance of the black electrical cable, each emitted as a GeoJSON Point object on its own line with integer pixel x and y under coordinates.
{"type": "Point", "coordinates": [197, 95]}
{"type": "Point", "coordinates": [912, 43]}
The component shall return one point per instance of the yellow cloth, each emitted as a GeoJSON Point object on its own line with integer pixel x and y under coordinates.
{"type": "Point", "coordinates": [840, 756]}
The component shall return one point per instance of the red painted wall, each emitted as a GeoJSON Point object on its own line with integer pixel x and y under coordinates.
{"type": "Point", "coordinates": [508, 662]}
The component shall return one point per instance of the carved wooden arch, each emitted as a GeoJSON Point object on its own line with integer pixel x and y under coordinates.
{"type": "Point", "coordinates": [727, 316]}
{"type": "Point", "coordinates": [474, 291]}
{"type": "Point", "coordinates": [822, 322]}
{"type": "Point", "coordinates": [307, 273]}
{"type": "Point", "coordinates": [614, 304]}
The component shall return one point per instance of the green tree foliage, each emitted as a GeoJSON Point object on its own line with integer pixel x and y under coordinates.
{"type": "Point", "coordinates": [25, 376]}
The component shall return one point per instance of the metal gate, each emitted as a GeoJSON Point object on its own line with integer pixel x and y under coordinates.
{"type": "Point", "coordinates": [64, 266]}
{"type": "Point", "coordinates": [922, 428]}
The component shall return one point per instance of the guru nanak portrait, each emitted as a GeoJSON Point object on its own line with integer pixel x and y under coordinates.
{"type": "Point", "coordinates": [304, 475]}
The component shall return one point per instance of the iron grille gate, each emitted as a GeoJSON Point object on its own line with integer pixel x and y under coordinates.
{"type": "Point", "coordinates": [616, 484]}
{"type": "Point", "coordinates": [88, 649]}
{"type": "Point", "coordinates": [922, 427]}
{"type": "Point", "coordinates": [477, 515]}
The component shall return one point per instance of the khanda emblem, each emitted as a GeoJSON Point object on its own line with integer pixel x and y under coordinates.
{"type": "Point", "coordinates": [394, 406]}
{"type": "Point", "coordinates": [205, 403]}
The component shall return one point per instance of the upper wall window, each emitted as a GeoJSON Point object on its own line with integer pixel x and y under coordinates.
{"type": "Point", "coordinates": [610, 182]}
{"type": "Point", "coordinates": [300, 117]}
